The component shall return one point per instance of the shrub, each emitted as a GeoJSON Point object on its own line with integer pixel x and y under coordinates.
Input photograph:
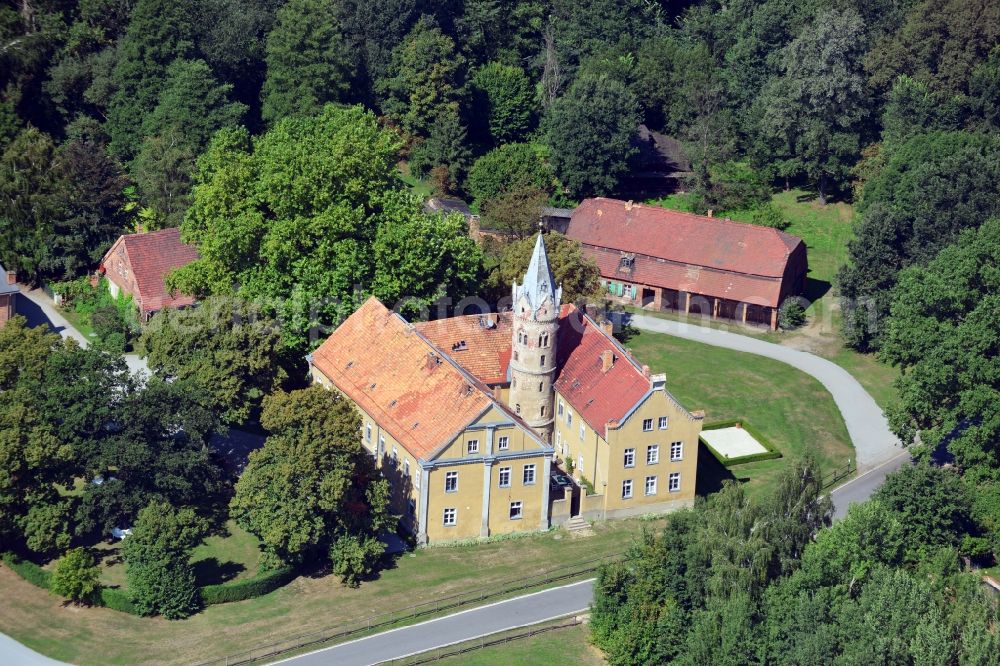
{"type": "Point", "coordinates": [76, 576]}
{"type": "Point", "coordinates": [791, 314]}
{"type": "Point", "coordinates": [247, 589]}
{"type": "Point", "coordinates": [29, 571]}
{"type": "Point", "coordinates": [117, 599]}
{"type": "Point", "coordinates": [770, 215]}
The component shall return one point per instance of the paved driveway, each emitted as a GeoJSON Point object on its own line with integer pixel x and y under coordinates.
{"type": "Point", "coordinates": [873, 442]}
{"type": "Point", "coordinates": [36, 306]}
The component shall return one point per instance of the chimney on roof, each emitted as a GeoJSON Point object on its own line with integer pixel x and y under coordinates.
{"type": "Point", "coordinates": [607, 360]}
{"type": "Point", "coordinates": [698, 414]}
{"type": "Point", "coordinates": [711, 212]}
{"type": "Point", "coordinates": [11, 277]}
{"type": "Point", "coordinates": [645, 371]}
{"type": "Point", "coordinates": [607, 326]}
{"type": "Point", "coordinates": [657, 382]}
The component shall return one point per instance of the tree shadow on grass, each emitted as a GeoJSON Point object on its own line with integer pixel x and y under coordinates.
{"type": "Point", "coordinates": [210, 571]}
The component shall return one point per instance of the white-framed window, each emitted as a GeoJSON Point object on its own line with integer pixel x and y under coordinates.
{"type": "Point", "coordinates": [561, 408]}
{"type": "Point", "coordinates": [627, 489]}
{"type": "Point", "coordinates": [416, 479]}
{"type": "Point", "coordinates": [650, 485]}
{"type": "Point", "coordinates": [368, 432]}
{"type": "Point", "coordinates": [504, 476]}
{"type": "Point", "coordinates": [583, 431]}
{"type": "Point", "coordinates": [450, 517]}
{"type": "Point", "coordinates": [647, 425]}
{"type": "Point", "coordinates": [529, 475]}
{"type": "Point", "coordinates": [406, 467]}
{"type": "Point", "coordinates": [652, 454]}
{"type": "Point", "coordinates": [569, 417]}
{"type": "Point", "coordinates": [473, 446]}
{"type": "Point", "coordinates": [411, 506]}
{"type": "Point", "coordinates": [630, 457]}
{"type": "Point", "coordinates": [503, 443]}
{"type": "Point", "coordinates": [579, 462]}
{"type": "Point", "coordinates": [515, 510]}
{"type": "Point", "coordinates": [450, 482]}
{"type": "Point", "coordinates": [676, 451]}
{"type": "Point", "coordinates": [395, 452]}
{"type": "Point", "coordinates": [663, 423]}
{"type": "Point", "coordinates": [674, 482]}
{"type": "Point", "coordinates": [381, 442]}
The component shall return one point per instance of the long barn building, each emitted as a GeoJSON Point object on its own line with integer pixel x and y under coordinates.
{"type": "Point", "coordinates": [668, 260]}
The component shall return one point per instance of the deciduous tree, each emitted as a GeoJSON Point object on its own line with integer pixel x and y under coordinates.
{"type": "Point", "coordinates": [77, 576]}
{"type": "Point", "coordinates": [312, 486]}
{"type": "Point", "coordinates": [590, 131]}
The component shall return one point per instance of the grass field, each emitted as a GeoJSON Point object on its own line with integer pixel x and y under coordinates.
{"type": "Point", "coordinates": [421, 188]}
{"type": "Point", "coordinates": [788, 407]}
{"type": "Point", "coordinates": [826, 230]}
{"type": "Point", "coordinates": [102, 636]}
{"type": "Point", "coordinates": [560, 647]}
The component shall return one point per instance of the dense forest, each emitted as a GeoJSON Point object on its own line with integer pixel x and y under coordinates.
{"type": "Point", "coordinates": [293, 142]}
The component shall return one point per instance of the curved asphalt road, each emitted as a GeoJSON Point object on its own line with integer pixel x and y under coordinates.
{"type": "Point", "coordinates": [874, 443]}
{"type": "Point", "coordinates": [457, 628]}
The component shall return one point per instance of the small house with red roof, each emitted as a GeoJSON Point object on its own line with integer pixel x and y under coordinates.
{"type": "Point", "coordinates": [668, 260]}
{"type": "Point", "coordinates": [138, 264]}
{"type": "Point", "coordinates": [470, 416]}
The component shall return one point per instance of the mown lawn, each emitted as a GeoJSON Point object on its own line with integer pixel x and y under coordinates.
{"type": "Point", "coordinates": [421, 188]}
{"type": "Point", "coordinates": [787, 406]}
{"type": "Point", "coordinates": [826, 230]}
{"type": "Point", "coordinates": [560, 647]}
{"type": "Point", "coordinates": [102, 636]}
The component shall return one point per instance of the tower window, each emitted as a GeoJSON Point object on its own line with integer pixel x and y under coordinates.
{"type": "Point", "coordinates": [543, 359]}
{"type": "Point", "coordinates": [514, 383]}
{"type": "Point", "coordinates": [543, 410]}
{"type": "Point", "coordinates": [540, 385]}
{"type": "Point", "coordinates": [517, 408]}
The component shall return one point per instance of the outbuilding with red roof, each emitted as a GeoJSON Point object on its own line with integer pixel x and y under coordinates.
{"type": "Point", "coordinates": [669, 260]}
{"type": "Point", "coordinates": [138, 264]}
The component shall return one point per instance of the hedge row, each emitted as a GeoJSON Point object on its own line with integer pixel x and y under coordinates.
{"type": "Point", "coordinates": [247, 589]}
{"type": "Point", "coordinates": [770, 454]}
{"type": "Point", "coordinates": [29, 571]}
{"type": "Point", "coordinates": [117, 599]}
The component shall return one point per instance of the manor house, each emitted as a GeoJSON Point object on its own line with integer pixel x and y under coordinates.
{"type": "Point", "coordinates": [469, 417]}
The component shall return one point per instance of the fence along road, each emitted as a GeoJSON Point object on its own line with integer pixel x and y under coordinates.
{"type": "Point", "coordinates": [456, 628]}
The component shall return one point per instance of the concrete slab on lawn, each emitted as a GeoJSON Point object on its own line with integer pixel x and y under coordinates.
{"type": "Point", "coordinates": [732, 442]}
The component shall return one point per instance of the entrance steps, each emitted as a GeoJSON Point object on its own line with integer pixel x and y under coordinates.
{"type": "Point", "coordinates": [576, 524]}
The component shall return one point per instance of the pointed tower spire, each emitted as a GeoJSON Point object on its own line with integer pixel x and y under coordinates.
{"type": "Point", "coordinates": [539, 283]}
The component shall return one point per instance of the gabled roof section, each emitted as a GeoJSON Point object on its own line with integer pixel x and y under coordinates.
{"type": "Point", "coordinates": [409, 386]}
{"type": "Point", "coordinates": [152, 256]}
{"type": "Point", "coordinates": [481, 344]}
{"type": "Point", "coordinates": [599, 396]}
{"type": "Point", "coordinates": [682, 238]}
{"type": "Point", "coordinates": [539, 282]}
{"type": "Point", "coordinates": [5, 286]}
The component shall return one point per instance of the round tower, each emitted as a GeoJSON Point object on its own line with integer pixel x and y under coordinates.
{"type": "Point", "coordinates": [533, 352]}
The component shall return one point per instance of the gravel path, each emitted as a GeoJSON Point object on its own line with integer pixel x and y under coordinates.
{"type": "Point", "coordinates": [873, 442]}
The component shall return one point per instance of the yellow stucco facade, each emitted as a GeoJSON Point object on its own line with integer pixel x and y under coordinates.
{"type": "Point", "coordinates": [647, 463]}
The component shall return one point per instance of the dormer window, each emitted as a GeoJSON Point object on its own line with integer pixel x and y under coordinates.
{"type": "Point", "coordinates": [626, 263]}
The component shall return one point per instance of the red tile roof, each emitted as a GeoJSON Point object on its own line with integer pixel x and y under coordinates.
{"type": "Point", "coordinates": [479, 343]}
{"type": "Point", "coordinates": [690, 278]}
{"type": "Point", "coordinates": [151, 257]}
{"type": "Point", "coordinates": [599, 397]}
{"type": "Point", "coordinates": [682, 238]}
{"type": "Point", "coordinates": [401, 379]}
